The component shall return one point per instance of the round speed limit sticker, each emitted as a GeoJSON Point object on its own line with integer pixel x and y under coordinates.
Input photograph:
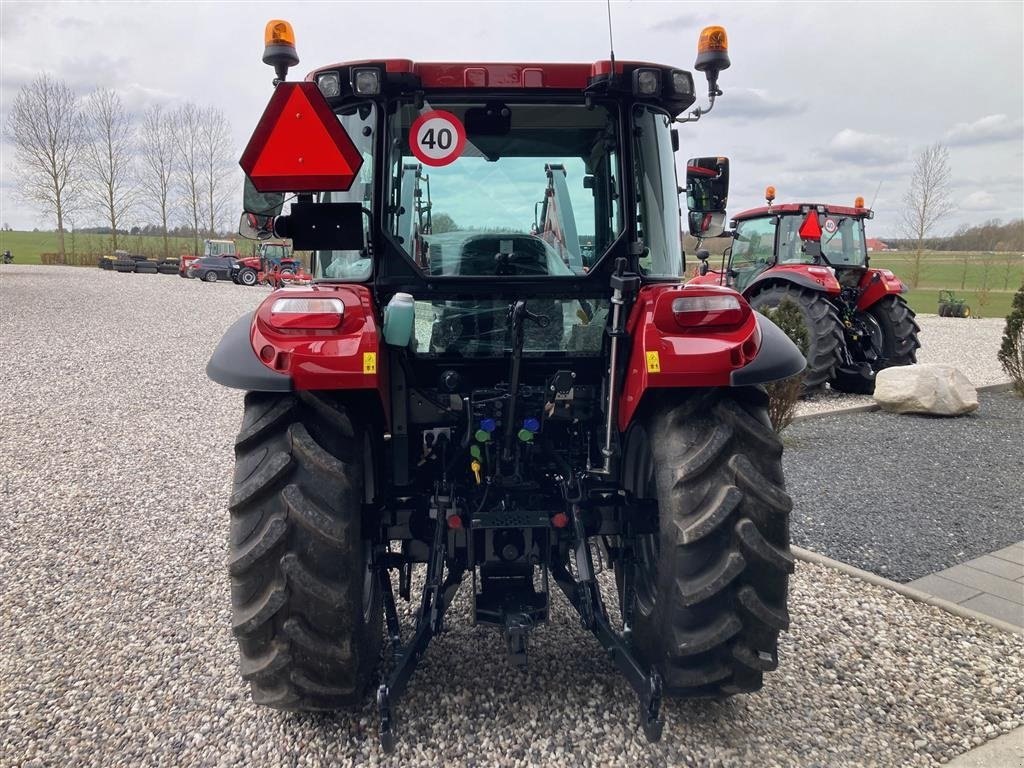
{"type": "Point", "coordinates": [830, 226]}
{"type": "Point", "coordinates": [437, 138]}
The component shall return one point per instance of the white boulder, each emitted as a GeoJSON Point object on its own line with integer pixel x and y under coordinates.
{"type": "Point", "coordinates": [940, 390]}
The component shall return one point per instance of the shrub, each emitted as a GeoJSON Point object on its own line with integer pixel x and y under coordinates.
{"type": "Point", "coordinates": [1011, 352]}
{"type": "Point", "coordinates": [783, 395]}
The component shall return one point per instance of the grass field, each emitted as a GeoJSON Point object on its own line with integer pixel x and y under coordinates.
{"type": "Point", "coordinates": [1002, 273]}
{"type": "Point", "coordinates": [85, 249]}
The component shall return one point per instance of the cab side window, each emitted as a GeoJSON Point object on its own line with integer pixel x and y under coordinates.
{"type": "Point", "coordinates": [754, 243]}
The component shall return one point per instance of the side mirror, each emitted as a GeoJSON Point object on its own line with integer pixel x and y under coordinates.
{"type": "Point", "coordinates": [255, 227]}
{"type": "Point", "coordinates": [707, 195]}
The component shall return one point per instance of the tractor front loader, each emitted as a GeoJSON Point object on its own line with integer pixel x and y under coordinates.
{"type": "Point", "coordinates": [476, 403]}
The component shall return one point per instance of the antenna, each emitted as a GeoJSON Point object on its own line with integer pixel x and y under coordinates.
{"type": "Point", "coordinates": [877, 190]}
{"type": "Point", "coordinates": [611, 44]}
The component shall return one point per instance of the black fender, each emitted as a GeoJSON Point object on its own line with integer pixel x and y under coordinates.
{"type": "Point", "coordinates": [796, 278]}
{"type": "Point", "coordinates": [778, 358]}
{"type": "Point", "coordinates": [234, 363]}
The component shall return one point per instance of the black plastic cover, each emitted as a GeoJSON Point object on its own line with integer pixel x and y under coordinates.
{"type": "Point", "coordinates": [779, 358]}
{"type": "Point", "coordinates": [234, 363]}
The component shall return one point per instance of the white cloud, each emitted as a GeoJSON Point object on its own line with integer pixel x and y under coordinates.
{"type": "Point", "coordinates": [985, 130]}
{"type": "Point", "coordinates": [979, 201]}
{"type": "Point", "coordinates": [865, 148]}
{"type": "Point", "coordinates": [754, 103]}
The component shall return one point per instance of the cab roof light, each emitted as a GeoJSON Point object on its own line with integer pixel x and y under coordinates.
{"type": "Point", "coordinates": [646, 82]}
{"type": "Point", "coordinates": [858, 202]}
{"type": "Point", "coordinates": [682, 83]}
{"type": "Point", "coordinates": [769, 194]}
{"type": "Point", "coordinates": [329, 84]}
{"type": "Point", "coordinates": [366, 81]}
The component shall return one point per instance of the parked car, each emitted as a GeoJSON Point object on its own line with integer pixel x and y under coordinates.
{"type": "Point", "coordinates": [211, 268]}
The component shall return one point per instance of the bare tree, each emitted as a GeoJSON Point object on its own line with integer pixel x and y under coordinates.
{"type": "Point", "coordinates": [45, 127]}
{"type": "Point", "coordinates": [926, 202]}
{"type": "Point", "coordinates": [215, 154]}
{"type": "Point", "coordinates": [157, 177]}
{"type": "Point", "coordinates": [187, 130]}
{"type": "Point", "coordinates": [109, 157]}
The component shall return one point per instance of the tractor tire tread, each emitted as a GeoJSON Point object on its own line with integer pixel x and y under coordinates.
{"type": "Point", "coordinates": [296, 567]}
{"type": "Point", "coordinates": [722, 576]}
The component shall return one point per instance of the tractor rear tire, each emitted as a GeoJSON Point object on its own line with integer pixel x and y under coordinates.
{"type": "Point", "coordinates": [824, 331]}
{"type": "Point", "coordinates": [711, 586]}
{"type": "Point", "coordinates": [899, 331]}
{"type": "Point", "coordinates": [306, 608]}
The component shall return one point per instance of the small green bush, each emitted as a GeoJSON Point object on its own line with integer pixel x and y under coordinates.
{"type": "Point", "coordinates": [1011, 352]}
{"type": "Point", "coordinates": [783, 395]}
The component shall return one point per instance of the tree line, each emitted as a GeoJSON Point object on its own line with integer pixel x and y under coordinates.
{"type": "Point", "coordinates": [992, 235]}
{"type": "Point", "coordinates": [91, 156]}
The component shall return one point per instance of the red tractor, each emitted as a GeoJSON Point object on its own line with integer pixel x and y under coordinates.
{"type": "Point", "coordinates": [270, 257]}
{"type": "Point", "coordinates": [468, 403]}
{"type": "Point", "coordinates": [816, 255]}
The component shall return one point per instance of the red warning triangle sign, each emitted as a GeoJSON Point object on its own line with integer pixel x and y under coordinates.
{"type": "Point", "coordinates": [811, 228]}
{"type": "Point", "coordinates": [299, 145]}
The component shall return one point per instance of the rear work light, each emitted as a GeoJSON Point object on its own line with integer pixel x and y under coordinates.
{"type": "Point", "coordinates": [710, 310]}
{"type": "Point", "coordinates": [682, 83]}
{"type": "Point", "coordinates": [646, 82]}
{"type": "Point", "coordinates": [329, 84]}
{"type": "Point", "coordinates": [366, 81]}
{"type": "Point", "coordinates": [306, 313]}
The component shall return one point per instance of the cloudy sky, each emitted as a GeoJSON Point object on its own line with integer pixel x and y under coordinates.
{"type": "Point", "coordinates": [824, 100]}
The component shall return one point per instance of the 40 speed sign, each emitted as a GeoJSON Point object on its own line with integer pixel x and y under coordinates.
{"type": "Point", "coordinates": [437, 138]}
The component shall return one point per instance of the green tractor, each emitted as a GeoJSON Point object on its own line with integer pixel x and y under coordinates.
{"type": "Point", "coordinates": [952, 306]}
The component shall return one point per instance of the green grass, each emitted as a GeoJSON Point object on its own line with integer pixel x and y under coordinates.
{"type": "Point", "coordinates": [27, 247]}
{"type": "Point", "coordinates": [951, 269]}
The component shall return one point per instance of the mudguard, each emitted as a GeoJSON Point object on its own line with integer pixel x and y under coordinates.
{"type": "Point", "coordinates": [778, 358]}
{"type": "Point", "coordinates": [257, 355]}
{"type": "Point", "coordinates": [234, 362]}
{"type": "Point", "coordinates": [665, 354]}
{"type": "Point", "coordinates": [811, 276]}
{"type": "Point", "coordinates": [876, 284]}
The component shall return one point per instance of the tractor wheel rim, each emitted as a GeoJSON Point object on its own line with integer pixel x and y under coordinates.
{"type": "Point", "coordinates": [646, 581]}
{"type": "Point", "coordinates": [875, 338]}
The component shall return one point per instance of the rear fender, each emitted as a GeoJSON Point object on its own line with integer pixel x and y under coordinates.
{"type": "Point", "coordinates": [664, 355]}
{"type": "Point", "coordinates": [814, 277]}
{"type": "Point", "coordinates": [255, 356]}
{"type": "Point", "coordinates": [875, 285]}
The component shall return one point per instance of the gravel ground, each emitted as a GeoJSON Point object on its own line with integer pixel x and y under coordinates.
{"type": "Point", "coordinates": [115, 621]}
{"type": "Point", "coordinates": [969, 344]}
{"type": "Point", "coordinates": [952, 488]}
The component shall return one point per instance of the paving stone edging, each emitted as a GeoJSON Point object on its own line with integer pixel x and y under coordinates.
{"type": "Point", "coordinates": [1005, 386]}
{"type": "Point", "coordinates": [902, 589]}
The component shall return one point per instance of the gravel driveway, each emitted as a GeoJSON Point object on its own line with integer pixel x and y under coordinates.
{"type": "Point", "coordinates": [116, 641]}
{"type": "Point", "coordinates": [905, 496]}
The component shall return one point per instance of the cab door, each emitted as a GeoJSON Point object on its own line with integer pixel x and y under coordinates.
{"type": "Point", "coordinates": [753, 250]}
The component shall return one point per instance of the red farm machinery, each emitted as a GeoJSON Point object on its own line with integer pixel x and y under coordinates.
{"type": "Point", "coordinates": [491, 406]}
{"type": "Point", "coordinates": [815, 255]}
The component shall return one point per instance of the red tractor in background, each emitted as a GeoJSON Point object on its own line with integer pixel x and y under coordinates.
{"type": "Point", "coordinates": [271, 257]}
{"type": "Point", "coordinates": [474, 405]}
{"type": "Point", "coordinates": [816, 255]}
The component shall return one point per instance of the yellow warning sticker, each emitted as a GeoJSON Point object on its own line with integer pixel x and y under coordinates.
{"type": "Point", "coordinates": [369, 362]}
{"type": "Point", "coordinates": [653, 362]}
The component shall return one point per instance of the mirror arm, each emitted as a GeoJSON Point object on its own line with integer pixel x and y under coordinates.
{"type": "Point", "coordinates": [699, 112]}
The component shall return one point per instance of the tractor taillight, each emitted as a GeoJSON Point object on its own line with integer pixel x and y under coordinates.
{"type": "Point", "coordinates": [306, 313]}
{"type": "Point", "coordinates": [710, 310]}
